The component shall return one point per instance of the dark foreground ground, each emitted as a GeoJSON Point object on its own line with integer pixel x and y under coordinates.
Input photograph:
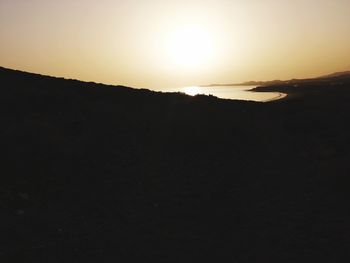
{"type": "Point", "coordinates": [93, 173]}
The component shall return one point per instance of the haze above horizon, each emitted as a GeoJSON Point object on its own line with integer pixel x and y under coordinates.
{"type": "Point", "coordinates": [161, 43]}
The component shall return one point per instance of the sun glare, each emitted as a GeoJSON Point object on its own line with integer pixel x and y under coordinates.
{"type": "Point", "coordinates": [190, 47]}
{"type": "Point", "coordinates": [192, 91]}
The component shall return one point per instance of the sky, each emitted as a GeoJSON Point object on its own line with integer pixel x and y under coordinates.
{"type": "Point", "coordinates": [161, 44]}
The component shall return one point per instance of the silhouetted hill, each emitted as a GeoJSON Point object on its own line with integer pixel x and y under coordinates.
{"type": "Point", "coordinates": [97, 173]}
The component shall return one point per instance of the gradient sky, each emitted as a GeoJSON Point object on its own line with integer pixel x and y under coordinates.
{"type": "Point", "coordinates": [125, 41]}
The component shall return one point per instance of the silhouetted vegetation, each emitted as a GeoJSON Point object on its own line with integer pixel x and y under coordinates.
{"type": "Point", "coordinates": [96, 173]}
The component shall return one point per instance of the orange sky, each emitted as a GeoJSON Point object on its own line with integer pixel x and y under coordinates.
{"type": "Point", "coordinates": [163, 44]}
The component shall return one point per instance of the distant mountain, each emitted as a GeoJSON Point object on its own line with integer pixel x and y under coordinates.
{"type": "Point", "coordinates": [271, 82]}
{"type": "Point", "coordinates": [249, 83]}
{"type": "Point", "coordinates": [343, 74]}
{"type": "Point", "coordinates": [337, 74]}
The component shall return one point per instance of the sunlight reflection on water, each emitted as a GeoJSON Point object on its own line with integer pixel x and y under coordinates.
{"type": "Point", "coordinates": [233, 92]}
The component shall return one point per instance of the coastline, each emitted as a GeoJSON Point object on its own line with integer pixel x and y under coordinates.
{"type": "Point", "coordinates": [280, 96]}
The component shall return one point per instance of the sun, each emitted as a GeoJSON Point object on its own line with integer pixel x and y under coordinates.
{"type": "Point", "coordinates": [190, 47]}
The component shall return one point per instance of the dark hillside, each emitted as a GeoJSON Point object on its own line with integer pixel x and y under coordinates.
{"type": "Point", "coordinates": [96, 173]}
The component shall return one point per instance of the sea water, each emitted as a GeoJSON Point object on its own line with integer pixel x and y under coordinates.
{"type": "Point", "coordinates": [232, 92]}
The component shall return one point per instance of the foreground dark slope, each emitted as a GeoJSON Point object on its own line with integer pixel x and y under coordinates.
{"type": "Point", "coordinates": [94, 173]}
